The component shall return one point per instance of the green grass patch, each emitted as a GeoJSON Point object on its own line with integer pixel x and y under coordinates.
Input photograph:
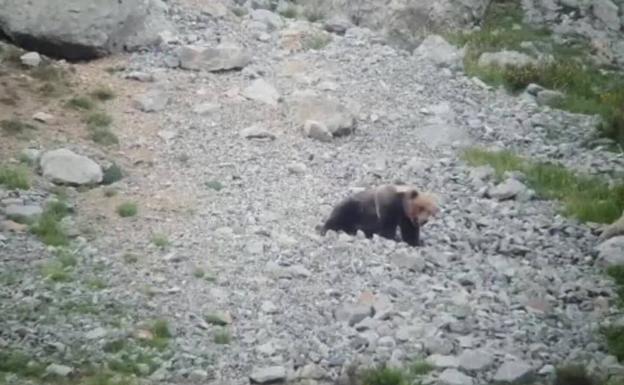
{"type": "Point", "coordinates": [103, 94]}
{"type": "Point", "coordinates": [239, 11]}
{"type": "Point", "coordinates": [222, 337]}
{"type": "Point", "coordinates": [48, 227]}
{"type": "Point", "coordinates": [572, 375]}
{"type": "Point", "coordinates": [19, 363]}
{"type": "Point", "coordinates": [15, 127]}
{"type": "Point", "coordinates": [588, 89]}
{"type": "Point", "coordinates": [112, 174]}
{"type": "Point", "coordinates": [384, 376]}
{"type": "Point", "coordinates": [314, 14]}
{"type": "Point", "coordinates": [98, 119]}
{"type": "Point", "coordinates": [14, 177]}
{"type": "Point", "coordinates": [127, 209]}
{"type": "Point", "coordinates": [584, 197]}
{"type": "Point", "coordinates": [290, 11]}
{"type": "Point", "coordinates": [130, 258]}
{"type": "Point", "coordinates": [82, 103]}
{"type": "Point", "coordinates": [161, 334]}
{"type": "Point", "coordinates": [160, 240]}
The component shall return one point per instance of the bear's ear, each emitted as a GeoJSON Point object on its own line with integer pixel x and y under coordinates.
{"type": "Point", "coordinates": [413, 194]}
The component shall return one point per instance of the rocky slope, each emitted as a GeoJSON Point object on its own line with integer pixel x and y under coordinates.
{"type": "Point", "coordinates": [502, 290]}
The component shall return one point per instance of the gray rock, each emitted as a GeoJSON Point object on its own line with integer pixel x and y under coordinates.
{"type": "Point", "coordinates": [504, 59]}
{"type": "Point", "coordinates": [337, 24]}
{"type": "Point", "coordinates": [198, 375]}
{"type": "Point", "coordinates": [261, 91]}
{"type": "Point", "coordinates": [268, 374]}
{"type": "Point", "coordinates": [59, 370]}
{"type": "Point", "coordinates": [43, 117]}
{"type": "Point", "coordinates": [20, 213]}
{"type": "Point", "coordinates": [482, 173]}
{"type": "Point", "coordinates": [140, 76]}
{"type": "Point", "coordinates": [31, 59]}
{"type": "Point", "coordinates": [220, 58]}
{"type": "Point", "coordinates": [534, 89]}
{"type": "Point", "coordinates": [152, 101]}
{"type": "Point", "coordinates": [440, 52]}
{"type": "Point", "coordinates": [438, 345]}
{"type": "Point", "coordinates": [442, 362]}
{"type": "Point", "coordinates": [454, 377]}
{"type": "Point", "coordinates": [256, 131]}
{"type": "Point", "coordinates": [475, 360]}
{"type": "Point", "coordinates": [508, 189]}
{"type": "Point", "coordinates": [272, 20]}
{"type": "Point", "coordinates": [607, 12]}
{"type": "Point", "coordinates": [513, 372]}
{"type": "Point", "coordinates": [297, 168]}
{"type": "Point", "coordinates": [408, 260]}
{"type": "Point", "coordinates": [611, 252]}
{"type": "Point", "coordinates": [317, 130]}
{"type": "Point", "coordinates": [353, 313]}
{"type": "Point", "coordinates": [269, 307]}
{"type": "Point", "coordinates": [96, 333]}
{"type": "Point", "coordinates": [549, 98]}
{"type": "Point", "coordinates": [79, 29]}
{"type": "Point", "coordinates": [206, 108]}
{"type": "Point", "coordinates": [63, 166]}
{"type": "Point", "coordinates": [312, 371]}
{"type": "Point", "coordinates": [330, 112]}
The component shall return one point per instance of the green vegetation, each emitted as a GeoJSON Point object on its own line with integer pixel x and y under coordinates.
{"type": "Point", "coordinates": [314, 14]}
{"type": "Point", "coordinates": [614, 334]}
{"type": "Point", "coordinates": [103, 93]}
{"type": "Point", "coordinates": [15, 127]}
{"type": "Point", "coordinates": [317, 40]}
{"type": "Point", "coordinates": [112, 174]}
{"type": "Point", "coordinates": [222, 336]}
{"type": "Point", "coordinates": [14, 177]}
{"type": "Point", "coordinates": [161, 334]}
{"type": "Point", "coordinates": [214, 185]}
{"type": "Point", "coordinates": [588, 89]}
{"type": "Point", "coordinates": [239, 11]}
{"type": "Point", "coordinates": [127, 209]}
{"type": "Point", "coordinates": [384, 376]}
{"type": "Point", "coordinates": [130, 258]}
{"type": "Point", "coordinates": [199, 273]}
{"type": "Point", "coordinates": [48, 226]}
{"type": "Point", "coordinates": [81, 103]}
{"type": "Point", "coordinates": [584, 197]}
{"type": "Point", "coordinates": [290, 11]}
{"type": "Point", "coordinates": [215, 319]}
{"type": "Point", "coordinates": [160, 240]}
{"type": "Point", "coordinates": [59, 269]}
{"type": "Point", "coordinates": [98, 124]}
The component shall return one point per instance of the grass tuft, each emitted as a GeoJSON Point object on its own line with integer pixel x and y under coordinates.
{"type": "Point", "coordinates": [127, 209]}
{"type": "Point", "coordinates": [112, 174]}
{"type": "Point", "coordinates": [48, 226]}
{"type": "Point", "coordinates": [384, 376]}
{"type": "Point", "coordinates": [15, 127]}
{"type": "Point", "coordinates": [572, 375]}
{"type": "Point", "coordinates": [222, 336]}
{"type": "Point", "coordinates": [81, 103]}
{"type": "Point", "coordinates": [290, 11]}
{"type": "Point", "coordinates": [130, 258]}
{"type": "Point", "coordinates": [160, 240]}
{"type": "Point", "coordinates": [317, 41]}
{"type": "Point", "coordinates": [103, 94]}
{"type": "Point", "coordinates": [14, 177]}
{"type": "Point", "coordinates": [586, 198]}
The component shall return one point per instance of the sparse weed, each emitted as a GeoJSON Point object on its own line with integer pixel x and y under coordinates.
{"type": "Point", "coordinates": [199, 273]}
{"type": "Point", "coordinates": [584, 197]}
{"type": "Point", "coordinates": [98, 119]}
{"type": "Point", "coordinates": [14, 177]}
{"type": "Point", "coordinates": [110, 192]}
{"type": "Point", "coordinates": [130, 258]}
{"type": "Point", "coordinates": [383, 376]}
{"type": "Point", "coordinates": [314, 14]}
{"type": "Point", "coordinates": [290, 11]}
{"type": "Point", "coordinates": [15, 127]}
{"type": "Point", "coordinates": [127, 209]}
{"type": "Point", "coordinates": [112, 174]}
{"type": "Point", "coordinates": [48, 226]}
{"type": "Point", "coordinates": [317, 40]}
{"type": "Point", "coordinates": [160, 240]}
{"type": "Point", "coordinates": [81, 103]}
{"type": "Point", "coordinates": [103, 93]}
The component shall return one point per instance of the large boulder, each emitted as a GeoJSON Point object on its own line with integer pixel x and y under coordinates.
{"type": "Point", "coordinates": [330, 112]}
{"type": "Point", "coordinates": [63, 166]}
{"type": "Point", "coordinates": [83, 29]}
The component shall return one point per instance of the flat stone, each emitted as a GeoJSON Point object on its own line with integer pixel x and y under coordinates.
{"type": "Point", "coordinates": [408, 260]}
{"type": "Point", "coordinates": [260, 90]}
{"type": "Point", "coordinates": [336, 117]}
{"type": "Point", "coordinates": [220, 58]}
{"type": "Point", "coordinates": [63, 166]}
{"type": "Point", "coordinates": [505, 58]}
{"type": "Point", "coordinates": [43, 117]}
{"type": "Point", "coordinates": [268, 374]}
{"type": "Point", "coordinates": [437, 50]}
{"type": "Point", "coordinates": [353, 313]}
{"type": "Point", "coordinates": [59, 370]}
{"type": "Point", "coordinates": [549, 98]}
{"type": "Point", "coordinates": [508, 189]}
{"type": "Point", "coordinates": [256, 132]}
{"type": "Point", "coordinates": [23, 213]}
{"type": "Point", "coordinates": [475, 360]}
{"type": "Point", "coordinates": [442, 362]}
{"type": "Point", "coordinates": [455, 377]}
{"type": "Point", "coordinates": [31, 59]}
{"type": "Point", "coordinates": [317, 130]}
{"type": "Point", "coordinates": [513, 372]}
{"type": "Point", "coordinates": [205, 108]}
{"type": "Point", "coordinates": [140, 76]}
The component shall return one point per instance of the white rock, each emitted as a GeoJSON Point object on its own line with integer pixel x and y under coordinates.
{"type": "Point", "coordinates": [455, 377]}
{"type": "Point", "coordinates": [220, 58]}
{"type": "Point", "coordinates": [44, 117]}
{"type": "Point", "coordinates": [268, 374]}
{"type": "Point", "coordinates": [440, 52]}
{"type": "Point", "coordinates": [510, 188]}
{"type": "Point", "coordinates": [442, 362]}
{"type": "Point", "coordinates": [549, 98]}
{"type": "Point", "coordinates": [31, 59]}
{"type": "Point", "coordinates": [63, 166]}
{"type": "Point", "coordinates": [59, 370]}
{"type": "Point", "coordinates": [23, 212]}
{"type": "Point", "coordinates": [261, 91]}
{"type": "Point", "coordinates": [317, 130]}
{"type": "Point", "coordinates": [611, 252]}
{"type": "Point", "coordinates": [505, 58]}
{"type": "Point", "coordinates": [336, 117]}
{"type": "Point", "coordinates": [152, 101]}
{"type": "Point", "coordinates": [269, 307]}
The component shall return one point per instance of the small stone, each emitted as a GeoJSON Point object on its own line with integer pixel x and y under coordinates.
{"type": "Point", "coordinates": [268, 348]}
{"type": "Point", "coordinates": [152, 101]}
{"type": "Point", "coordinates": [437, 50]}
{"type": "Point", "coordinates": [475, 360]}
{"type": "Point", "coordinates": [353, 313]}
{"type": "Point", "coordinates": [438, 345]}
{"type": "Point", "coordinates": [312, 371]}
{"type": "Point", "coordinates": [611, 252]}
{"type": "Point", "coordinates": [549, 98]}
{"type": "Point", "coordinates": [31, 59]}
{"type": "Point", "coordinates": [337, 25]}
{"type": "Point", "coordinates": [220, 58]}
{"type": "Point", "coordinates": [198, 375]}
{"type": "Point", "coordinates": [513, 372]}
{"type": "Point", "coordinates": [205, 108]}
{"type": "Point", "coordinates": [269, 307]}
{"type": "Point", "coordinates": [317, 130]}
{"type": "Point", "coordinates": [256, 132]}
{"type": "Point", "coordinates": [408, 260]}
{"type": "Point", "coordinates": [260, 90]}
{"type": "Point", "coordinates": [59, 370]}
{"type": "Point", "coordinates": [455, 377]}
{"type": "Point", "coordinates": [43, 117]}
{"type": "Point", "coordinates": [297, 168]}
{"type": "Point", "coordinates": [96, 334]}
{"type": "Point", "coordinates": [482, 173]}
{"type": "Point", "coordinates": [268, 374]}
{"type": "Point", "coordinates": [504, 59]}
{"type": "Point", "coordinates": [509, 189]}
{"type": "Point", "coordinates": [441, 361]}
{"type": "Point", "coordinates": [140, 76]}
{"type": "Point", "coordinates": [546, 370]}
